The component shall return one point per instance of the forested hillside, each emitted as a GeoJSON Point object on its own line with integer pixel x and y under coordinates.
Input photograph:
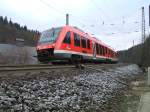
{"type": "Point", "coordinates": [9, 31]}
{"type": "Point", "coordinates": [139, 54]}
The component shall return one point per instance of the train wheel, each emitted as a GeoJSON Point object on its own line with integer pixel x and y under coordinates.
{"type": "Point", "coordinates": [76, 59]}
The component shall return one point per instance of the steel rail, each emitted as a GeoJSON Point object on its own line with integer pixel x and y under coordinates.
{"type": "Point", "coordinates": [21, 65]}
{"type": "Point", "coordinates": [6, 68]}
{"type": "Point", "coordinates": [24, 68]}
{"type": "Point", "coordinates": [30, 65]}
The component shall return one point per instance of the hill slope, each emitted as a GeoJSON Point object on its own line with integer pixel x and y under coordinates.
{"type": "Point", "coordinates": [10, 31]}
{"type": "Point", "coordinates": [139, 54]}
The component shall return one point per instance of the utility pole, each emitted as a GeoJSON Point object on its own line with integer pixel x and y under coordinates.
{"type": "Point", "coordinates": [149, 15]}
{"type": "Point", "coordinates": [143, 38]}
{"type": "Point", "coordinates": [143, 25]}
{"type": "Point", "coordinates": [67, 19]}
{"type": "Point", "coordinates": [149, 20]}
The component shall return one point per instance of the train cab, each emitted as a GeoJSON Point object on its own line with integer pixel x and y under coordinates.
{"type": "Point", "coordinates": [47, 43]}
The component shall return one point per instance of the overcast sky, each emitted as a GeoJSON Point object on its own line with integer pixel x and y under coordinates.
{"type": "Point", "coordinates": [115, 22]}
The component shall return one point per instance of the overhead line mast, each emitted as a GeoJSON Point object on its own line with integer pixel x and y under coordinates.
{"type": "Point", "coordinates": [143, 25]}
{"type": "Point", "coordinates": [143, 38]}
{"type": "Point", "coordinates": [149, 15]}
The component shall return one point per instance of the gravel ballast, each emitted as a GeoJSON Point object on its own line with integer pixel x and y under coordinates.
{"type": "Point", "coordinates": [87, 91]}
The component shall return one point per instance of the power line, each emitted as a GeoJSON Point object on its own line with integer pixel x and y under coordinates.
{"type": "Point", "coordinates": [61, 12]}
{"type": "Point", "coordinates": [50, 6]}
{"type": "Point", "coordinates": [107, 16]}
{"type": "Point", "coordinates": [79, 21]}
{"type": "Point", "coordinates": [93, 2]}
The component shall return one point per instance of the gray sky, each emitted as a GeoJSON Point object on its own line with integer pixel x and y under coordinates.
{"type": "Point", "coordinates": [121, 18]}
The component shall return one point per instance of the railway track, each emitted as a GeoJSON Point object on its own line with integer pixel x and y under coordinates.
{"type": "Point", "coordinates": [33, 67]}
{"type": "Point", "coordinates": [6, 68]}
{"type": "Point", "coordinates": [94, 67]}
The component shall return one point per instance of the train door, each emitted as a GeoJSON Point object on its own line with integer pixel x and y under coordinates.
{"type": "Point", "coordinates": [94, 50]}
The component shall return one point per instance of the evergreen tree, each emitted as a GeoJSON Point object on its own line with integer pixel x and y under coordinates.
{"type": "Point", "coordinates": [9, 31]}
{"type": "Point", "coordinates": [5, 20]}
{"type": "Point", "coordinates": [17, 26]}
{"type": "Point", "coordinates": [10, 22]}
{"type": "Point", "coordinates": [1, 20]}
{"type": "Point", "coordinates": [25, 28]}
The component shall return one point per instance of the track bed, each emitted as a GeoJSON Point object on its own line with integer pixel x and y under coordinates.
{"type": "Point", "coordinates": [68, 89]}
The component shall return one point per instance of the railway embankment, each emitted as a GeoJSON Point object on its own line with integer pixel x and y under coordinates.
{"type": "Point", "coordinates": [66, 90]}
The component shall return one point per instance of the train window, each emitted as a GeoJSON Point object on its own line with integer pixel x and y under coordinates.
{"type": "Point", "coordinates": [110, 52]}
{"type": "Point", "coordinates": [100, 47]}
{"type": "Point", "coordinates": [83, 41]}
{"type": "Point", "coordinates": [76, 40]}
{"type": "Point", "coordinates": [67, 39]}
{"type": "Point", "coordinates": [97, 48]}
{"type": "Point", "coordinates": [106, 49]}
{"type": "Point", "coordinates": [49, 36]}
{"type": "Point", "coordinates": [103, 52]}
{"type": "Point", "coordinates": [88, 44]}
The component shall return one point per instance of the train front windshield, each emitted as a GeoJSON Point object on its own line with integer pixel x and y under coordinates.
{"type": "Point", "coordinates": [49, 36]}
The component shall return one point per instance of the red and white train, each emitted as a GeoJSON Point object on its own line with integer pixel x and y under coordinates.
{"type": "Point", "coordinates": [71, 43]}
